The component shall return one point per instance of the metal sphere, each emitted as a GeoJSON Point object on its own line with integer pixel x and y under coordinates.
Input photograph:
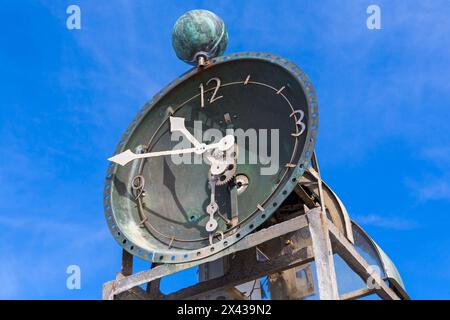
{"type": "Point", "coordinates": [199, 33]}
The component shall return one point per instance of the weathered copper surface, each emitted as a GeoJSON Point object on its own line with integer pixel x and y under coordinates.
{"type": "Point", "coordinates": [199, 32]}
{"type": "Point", "coordinates": [176, 195]}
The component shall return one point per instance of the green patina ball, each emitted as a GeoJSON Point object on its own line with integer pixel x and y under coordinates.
{"type": "Point", "coordinates": [199, 32]}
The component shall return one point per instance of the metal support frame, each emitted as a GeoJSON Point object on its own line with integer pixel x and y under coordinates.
{"type": "Point", "coordinates": [124, 283]}
{"type": "Point", "coordinates": [323, 255]}
{"type": "Point", "coordinates": [356, 262]}
{"type": "Point", "coordinates": [326, 239]}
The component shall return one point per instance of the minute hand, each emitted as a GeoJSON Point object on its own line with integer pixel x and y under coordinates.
{"type": "Point", "coordinates": [128, 155]}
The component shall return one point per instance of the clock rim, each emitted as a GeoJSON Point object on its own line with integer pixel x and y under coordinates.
{"type": "Point", "coordinates": [166, 256]}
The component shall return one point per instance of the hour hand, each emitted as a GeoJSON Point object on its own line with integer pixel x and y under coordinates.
{"type": "Point", "coordinates": [177, 124]}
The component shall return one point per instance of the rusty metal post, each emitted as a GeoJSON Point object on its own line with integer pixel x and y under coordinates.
{"type": "Point", "coordinates": [127, 263]}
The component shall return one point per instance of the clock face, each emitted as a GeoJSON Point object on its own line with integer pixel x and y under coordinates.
{"type": "Point", "coordinates": [211, 157]}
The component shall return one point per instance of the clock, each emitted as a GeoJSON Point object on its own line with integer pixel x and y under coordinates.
{"type": "Point", "coordinates": [211, 157]}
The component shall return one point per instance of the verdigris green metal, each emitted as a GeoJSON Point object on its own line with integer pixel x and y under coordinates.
{"type": "Point", "coordinates": [121, 210]}
{"type": "Point", "coordinates": [199, 33]}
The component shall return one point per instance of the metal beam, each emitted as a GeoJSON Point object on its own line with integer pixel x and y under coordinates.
{"type": "Point", "coordinates": [247, 270]}
{"type": "Point", "coordinates": [356, 294]}
{"type": "Point", "coordinates": [357, 263]}
{"type": "Point", "coordinates": [112, 288]}
{"type": "Point", "coordinates": [323, 255]}
{"type": "Point", "coordinates": [326, 239]}
{"type": "Point", "coordinates": [127, 263]}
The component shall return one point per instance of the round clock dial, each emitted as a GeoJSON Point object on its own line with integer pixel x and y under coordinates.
{"type": "Point", "coordinates": [211, 157]}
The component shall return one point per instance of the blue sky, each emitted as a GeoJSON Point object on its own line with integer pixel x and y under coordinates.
{"type": "Point", "coordinates": [67, 96]}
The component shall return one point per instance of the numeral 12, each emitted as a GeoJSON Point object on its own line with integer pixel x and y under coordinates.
{"type": "Point", "coordinates": [214, 96]}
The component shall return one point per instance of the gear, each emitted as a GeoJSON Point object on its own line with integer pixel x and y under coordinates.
{"type": "Point", "coordinates": [225, 176]}
{"type": "Point", "coordinates": [228, 174]}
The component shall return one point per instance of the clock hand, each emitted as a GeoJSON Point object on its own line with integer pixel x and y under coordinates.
{"type": "Point", "coordinates": [128, 155]}
{"type": "Point", "coordinates": [212, 208]}
{"type": "Point", "coordinates": [233, 190]}
{"type": "Point", "coordinates": [177, 124]}
{"type": "Point", "coordinates": [217, 168]}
